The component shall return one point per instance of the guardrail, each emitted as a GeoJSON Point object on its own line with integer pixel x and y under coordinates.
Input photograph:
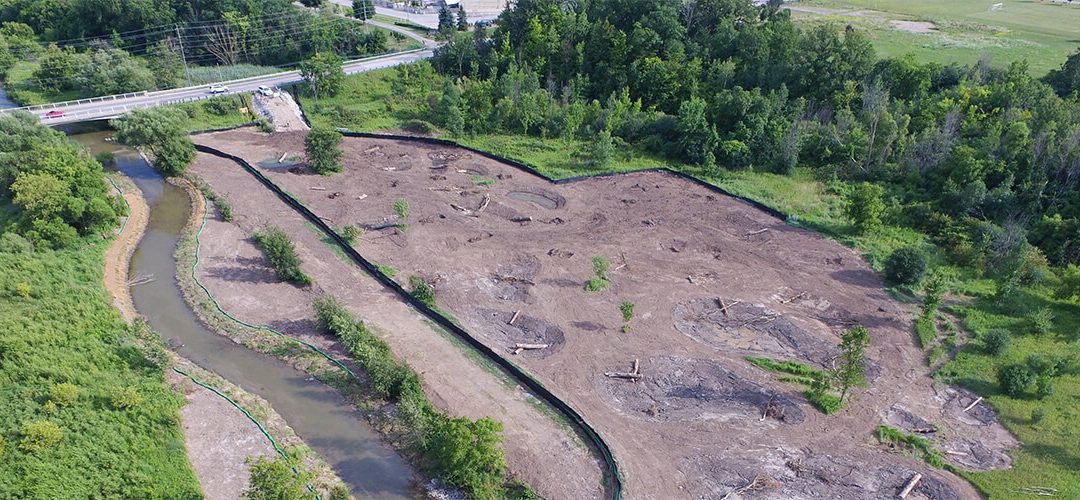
{"type": "Point", "coordinates": [108, 112]}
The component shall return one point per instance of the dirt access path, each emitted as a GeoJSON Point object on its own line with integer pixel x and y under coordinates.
{"type": "Point", "coordinates": [118, 255]}
{"type": "Point", "coordinates": [713, 280]}
{"type": "Point", "coordinates": [540, 450]}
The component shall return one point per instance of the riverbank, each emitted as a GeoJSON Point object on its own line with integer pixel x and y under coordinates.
{"type": "Point", "coordinates": [220, 440]}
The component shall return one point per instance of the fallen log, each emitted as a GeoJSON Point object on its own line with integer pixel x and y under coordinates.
{"type": "Point", "coordinates": [911, 485]}
{"type": "Point", "coordinates": [531, 346]}
{"type": "Point", "coordinates": [797, 297]}
{"type": "Point", "coordinates": [628, 376]}
{"type": "Point", "coordinates": [376, 227]}
{"type": "Point", "coordinates": [972, 405]}
{"type": "Point", "coordinates": [636, 370]}
{"type": "Point", "coordinates": [759, 231]}
{"type": "Point", "coordinates": [483, 205]}
{"type": "Point", "coordinates": [461, 209]}
{"type": "Point", "coordinates": [521, 219]}
{"type": "Point", "coordinates": [317, 188]}
{"type": "Point", "coordinates": [282, 157]}
{"type": "Point", "coordinates": [514, 318]}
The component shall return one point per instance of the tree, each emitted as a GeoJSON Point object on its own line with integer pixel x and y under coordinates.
{"type": "Point", "coordinates": [57, 69]}
{"type": "Point", "coordinates": [113, 71]}
{"type": "Point", "coordinates": [697, 139]}
{"type": "Point", "coordinates": [851, 371]}
{"type": "Point", "coordinates": [453, 117]}
{"type": "Point", "coordinates": [446, 21]}
{"type": "Point", "coordinates": [322, 146]}
{"type": "Point", "coordinates": [468, 454]}
{"type": "Point", "coordinates": [312, 3]}
{"type": "Point", "coordinates": [363, 9]}
{"type": "Point", "coordinates": [165, 64]}
{"type": "Point", "coordinates": [275, 480]}
{"type": "Point", "coordinates": [462, 18]}
{"type": "Point", "coordinates": [906, 266]}
{"type": "Point", "coordinates": [1067, 79]}
{"type": "Point", "coordinates": [997, 341]}
{"type": "Point", "coordinates": [864, 206]}
{"type": "Point", "coordinates": [323, 73]}
{"type": "Point", "coordinates": [163, 131]}
{"type": "Point", "coordinates": [601, 150]}
{"type": "Point", "coordinates": [281, 253]}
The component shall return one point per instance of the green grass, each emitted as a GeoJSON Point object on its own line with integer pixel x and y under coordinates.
{"type": "Point", "coordinates": [401, 23]}
{"type": "Point", "coordinates": [66, 331]}
{"type": "Point", "coordinates": [202, 119]}
{"type": "Point", "coordinates": [1042, 32]}
{"type": "Point", "coordinates": [20, 90]}
{"type": "Point", "coordinates": [201, 75]}
{"type": "Point", "coordinates": [921, 446]}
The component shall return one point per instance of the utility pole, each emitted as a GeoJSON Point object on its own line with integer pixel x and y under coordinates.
{"type": "Point", "coordinates": [180, 39]}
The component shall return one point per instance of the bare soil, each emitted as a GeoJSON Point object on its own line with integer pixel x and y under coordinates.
{"type": "Point", "coordinates": [540, 450]}
{"type": "Point", "coordinates": [693, 426]}
{"type": "Point", "coordinates": [914, 26]}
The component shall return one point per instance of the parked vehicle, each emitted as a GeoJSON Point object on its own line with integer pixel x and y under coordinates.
{"type": "Point", "coordinates": [218, 89]}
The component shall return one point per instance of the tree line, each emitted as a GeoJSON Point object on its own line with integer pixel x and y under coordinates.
{"type": "Point", "coordinates": [986, 160]}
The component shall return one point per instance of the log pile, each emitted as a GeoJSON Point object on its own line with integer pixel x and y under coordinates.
{"type": "Point", "coordinates": [633, 375]}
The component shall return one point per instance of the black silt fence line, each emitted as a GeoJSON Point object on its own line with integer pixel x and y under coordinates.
{"type": "Point", "coordinates": [615, 481]}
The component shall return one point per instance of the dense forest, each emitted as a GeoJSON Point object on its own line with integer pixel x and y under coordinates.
{"type": "Point", "coordinates": [983, 159]}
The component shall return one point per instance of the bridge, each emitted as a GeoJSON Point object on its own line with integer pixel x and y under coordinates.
{"type": "Point", "coordinates": [112, 106]}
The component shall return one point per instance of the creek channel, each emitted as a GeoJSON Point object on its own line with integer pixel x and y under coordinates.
{"type": "Point", "coordinates": [332, 427]}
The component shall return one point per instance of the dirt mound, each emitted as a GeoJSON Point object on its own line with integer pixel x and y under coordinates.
{"type": "Point", "coordinates": [512, 281]}
{"type": "Point", "coordinates": [525, 330]}
{"type": "Point", "coordinates": [680, 389]}
{"type": "Point", "coordinates": [749, 327]}
{"type": "Point", "coordinates": [783, 474]}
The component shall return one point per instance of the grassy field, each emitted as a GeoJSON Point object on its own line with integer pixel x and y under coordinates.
{"type": "Point", "coordinates": [1050, 456]}
{"type": "Point", "coordinates": [85, 414]}
{"type": "Point", "coordinates": [1040, 31]}
{"type": "Point", "coordinates": [202, 118]}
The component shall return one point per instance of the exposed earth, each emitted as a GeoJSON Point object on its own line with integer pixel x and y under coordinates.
{"type": "Point", "coordinates": [713, 280]}
{"type": "Point", "coordinates": [118, 255]}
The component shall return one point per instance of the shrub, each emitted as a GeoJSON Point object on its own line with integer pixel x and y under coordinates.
{"type": "Point", "coordinates": [864, 206]}
{"type": "Point", "coordinates": [23, 289]}
{"type": "Point", "coordinates": [281, 253]}
{"type": "Point", "coordinates": [340, 492]}
{"type": "Point", "coordinates": [418, 126]}
{"type": "Point", "coordinates": [13, 243]}
{"type": "Point", "coordinates": [40, 435]}
{"type": "Point", "coordinates": [350, 233]}
{"type": "Point", "coordinates": [627, 310]}
{"type": "Point", "coordinates": [422, 290]}
{"type": "Point", "coordinates": [601, 150]}
{"type": "Point", "coordinates": [600, 268]}
{"type": "Point", "coordinates": [997, 341]}
{"type": "Point", "coordinates": [275, 480]}
{"type": "Point", "coordinates": [596, 285]}
{"type": "Point", "coordinates": [264, 125]}
{"type": "Point", "coordinates": [401, 209]}
{"type": "Point", "coordinates": [1044, 386]}
{"type": "Point", "coordinates": [896, 437]}
{"type": "Point", "coordinates": [1015, 380]}
{"type": "Point", "coordinates": [1042, 321]}
{"type": "Point", "coordinates": [906, 266]}
{"type": "Point", "coordinates": [125, 398]}
{"type": "Point", "coordinates": [1037, 415]}
{"type": "Point", "coordinates": [1069, 287]}
{"type": "Point", "coordinates": [825, 403]}
{"type": "Point", "coordinates": [64, 394]}
{"type": "Point", "coordinates": [468, 455]}
{"type": "Point", "coordinates": [322, 145]}
{"type": "Point", "coordinates": [219, 106]}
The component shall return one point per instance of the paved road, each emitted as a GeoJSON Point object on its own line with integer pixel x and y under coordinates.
{"type": "Point", "coordinates": [113, 106]}
{"type": "Point", "coordinates": [426, 20]}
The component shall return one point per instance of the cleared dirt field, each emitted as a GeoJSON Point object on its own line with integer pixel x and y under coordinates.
{"type": "Point", "coordinates": [693, 427]}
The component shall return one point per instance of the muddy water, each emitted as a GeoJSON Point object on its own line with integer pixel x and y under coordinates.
{"type": "Point", "coordinates": [534, 198]}
{"type": "Point", "coordinates": [333, 428]}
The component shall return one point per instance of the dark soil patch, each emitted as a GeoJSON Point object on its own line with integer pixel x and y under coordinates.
{"type": "Point", "coordinates": [679, 389]}
{"type": "Point", "coordinates": [525, 330]}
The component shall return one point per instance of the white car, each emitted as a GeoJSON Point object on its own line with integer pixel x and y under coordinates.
{"type": "Point", "coordinates": [266, 91]}
{"type": "Point", "coordinates": [218, 89]}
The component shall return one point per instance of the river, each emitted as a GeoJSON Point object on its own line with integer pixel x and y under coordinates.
{"type": "Point", "coordinates": [333, 428]}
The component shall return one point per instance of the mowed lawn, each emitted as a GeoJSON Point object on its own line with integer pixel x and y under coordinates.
{"type": "Point", "coordinates": [1040, 31]}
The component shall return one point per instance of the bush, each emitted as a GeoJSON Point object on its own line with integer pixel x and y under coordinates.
{"type": "Point", "coordinates": [64, 394]}
{"type": "Point", "coordinates": [864, 206]}
{"type": "Point", "coordinates": [350, 233]}
{"type": "Point", "coordinates": [323, 147]}
{"type": "Point", "coordinates": [1044, 386]}
{"type": "Point", "coordinates": [281, 253]}
{"type": "Point", "coordinates": [627, 310]}
{"type": "Point", "coordinates": [219, 106]}
{"type": "Point", "coordinates": [1042, 321]}
{"type": "Point", "coordinates": [125, 398]}
{"type": "Point", "coordinates": [275, 480]}
{"type": "Point", "coordinates": [264, 125]}
{"type": "Point", "coordinates": [422, 290]}
{"type": "Point", "coordinates": [468, 455]}
{"type": "Point", "coordinates": [600, 268]}
{"type": "Point", "coordinates": [1015, 380]}
{"type": "Point", "coordinates": [996, 341]}
{"type": "Point", "coordinates": [906, 266]}
{"type": "Point", "coordinates": [40, 435]}
{"type": "Point", "coordinates": [401, 208]}
{"type": "Point", "coordinates": [418, 126]}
